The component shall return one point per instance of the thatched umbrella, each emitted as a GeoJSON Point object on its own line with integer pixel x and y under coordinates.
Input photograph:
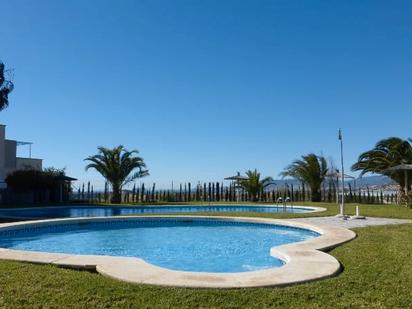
{"type": "Point", "coordinates": [399, 168]}
{"type": "Point", "coordinates": [63, 181]}
{"type": "Point", "coordinates": [236, 179]}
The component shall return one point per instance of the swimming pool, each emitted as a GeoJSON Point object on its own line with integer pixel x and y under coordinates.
{"type": "Point", "coordinates": [300, 261]}
{"type": "Point", "coordinates": [193, 244]}
{"type": "Point", "coordinates": [117, 210]}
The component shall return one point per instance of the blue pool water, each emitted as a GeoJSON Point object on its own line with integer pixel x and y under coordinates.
{"type": "Point", "coordinates": [103, 211]}
{"type": "Point", "coordinates": [203, 245]}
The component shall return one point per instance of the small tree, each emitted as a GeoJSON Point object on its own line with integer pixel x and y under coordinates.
{"type": "Point", "coordinates": [5, 88]}
{"type": "Point", "coordinates": [311, 169]}
{"type": "Point", "coordinates": [118, 166]}
{"type": "Point", "coordinates": [254, 185]}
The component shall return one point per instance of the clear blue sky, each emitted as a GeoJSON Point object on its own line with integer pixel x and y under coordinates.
{"type": "Point", "coordinates": [206, 88]}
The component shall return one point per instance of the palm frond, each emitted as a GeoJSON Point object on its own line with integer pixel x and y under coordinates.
{"type": "Point", "coordinates": [387, 153]}
{"type": "Point", "coordinates": [117, 165]}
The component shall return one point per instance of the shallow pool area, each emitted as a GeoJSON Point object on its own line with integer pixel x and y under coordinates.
{"type": "Point", "coordinates": [195, 245]}
{"type": "Point", "coordinates": [117, 210]}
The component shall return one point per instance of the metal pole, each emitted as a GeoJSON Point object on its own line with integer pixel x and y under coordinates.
{"type": "Point", "coordinates": [342, 207]}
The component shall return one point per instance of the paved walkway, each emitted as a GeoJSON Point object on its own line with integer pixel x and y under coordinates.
{"type": "Point", "coordinates": [351, 223]}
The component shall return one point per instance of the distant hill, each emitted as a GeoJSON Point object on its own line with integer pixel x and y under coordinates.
{"type": "Point", "coordinates": [374, 181]}
{"type": "Point", "coordinates": [370, 181]}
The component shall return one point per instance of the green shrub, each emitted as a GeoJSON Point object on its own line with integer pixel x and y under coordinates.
{"type": "Point", "coordinates": [29, 180]}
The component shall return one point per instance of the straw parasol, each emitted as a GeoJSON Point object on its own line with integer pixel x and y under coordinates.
{"type": "Point", "coordinates": [236, 179]}
{"type": "Point", "coordinates": [399, 168]}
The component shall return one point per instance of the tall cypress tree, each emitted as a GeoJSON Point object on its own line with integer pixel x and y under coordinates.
{"type": "Point", "coordinates": [330, 192]}
{"type": "Point", "coordinates": [221, 190]}
{"type": "Point", "coordinates": [153, 191]}
{"type": "Point", "coordinates": [213, 191]}
{"type": "Point", "coordinates": [204, 192]}
{"type": "Point", "coordinates": [369, 195]}
{"type": "Point", "coordinates": [106, 192]}
{"type": "Point", "coordinates": [134, 193]}
{"type": "Point", "coordinates": [143, 193]}
{"type": "Point", "coordinates": [189, 191]}
{"type": "Point", "coordinates": [350, 193]}
{"type": "Point", "coordinates": [197, 192]}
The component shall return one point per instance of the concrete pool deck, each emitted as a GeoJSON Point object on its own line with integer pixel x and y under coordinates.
{"type": "Point", "coordinates": [305, 261]}
{"type": "Point", "coordinates": [351, 223]}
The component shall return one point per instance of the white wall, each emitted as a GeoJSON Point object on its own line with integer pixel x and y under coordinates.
{"type": "Point", "coordinates": [8, 160]}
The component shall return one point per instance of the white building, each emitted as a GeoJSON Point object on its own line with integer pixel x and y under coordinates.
{"type": "Point", "coordinates": [9, 162]}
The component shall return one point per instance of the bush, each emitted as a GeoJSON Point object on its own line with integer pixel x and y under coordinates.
{"type": "Point", "coordinates": [32, 180]}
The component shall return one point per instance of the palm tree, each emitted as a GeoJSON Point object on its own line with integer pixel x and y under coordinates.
{"type": "Point", "coordinates": [5, 88]}
{"type": "Point", "coordinates": [312, 170]}
{"type": "Point", "coordinates": [254, 185]}
{"type": "Point", "coordinates": [118, 166]}
{"type": "Point", "coordinates": [387, 153]}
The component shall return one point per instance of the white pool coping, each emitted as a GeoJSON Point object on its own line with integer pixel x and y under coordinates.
{"type": "Point", "coordinates": [305, 261]}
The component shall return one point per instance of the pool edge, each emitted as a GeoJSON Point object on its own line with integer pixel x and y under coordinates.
{"type": "Point", "coordinates": [306, 260]}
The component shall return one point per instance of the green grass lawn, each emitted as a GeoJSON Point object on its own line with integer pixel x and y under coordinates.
{"type": "Point", "coordinates": [384, 211]}
{"type": "Point", "coordinates": [377, 274]}
{"type": "Point", "coordinates": [387, 211]}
